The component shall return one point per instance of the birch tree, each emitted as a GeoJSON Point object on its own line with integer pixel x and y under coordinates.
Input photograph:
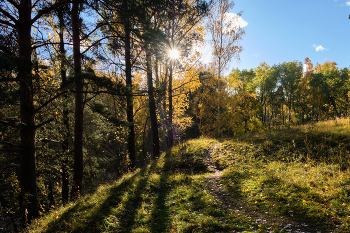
{"type": "Point", "coordinates": [225, 33]}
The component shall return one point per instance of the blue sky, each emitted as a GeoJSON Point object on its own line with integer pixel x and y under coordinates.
{"type": "Point", "coordinates": [284, 30]}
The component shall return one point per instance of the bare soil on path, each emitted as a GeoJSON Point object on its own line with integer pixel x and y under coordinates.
{"type": "Point", "coordinates": [241, 207]}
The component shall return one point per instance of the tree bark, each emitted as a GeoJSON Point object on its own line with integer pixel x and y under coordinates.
{"type": "Point", "coordinates": [129, 97]}
{"type": "Point", "coordinates": [27, 112]}
{"type": "Point", "coordinates": [64, 163]}
{"type": "Point", "coordinates": [78, 127]}
{"type": "Point", "coordinates": [170, 99]}
{"type": "Point", "coordinates": [152, 105]}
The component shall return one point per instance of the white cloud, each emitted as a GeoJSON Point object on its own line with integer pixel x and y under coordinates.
{"type": "Point", "coordinates": [347, 3]}
{"type": "Point", "coordinates": [319, 48]}
{"type": "Point", "coordinates": [256, 55]}
{"type": "Point", "coordinates": [234, 21]}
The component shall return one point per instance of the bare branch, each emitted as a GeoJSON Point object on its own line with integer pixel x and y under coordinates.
{"type": "Point", "coordinates": [8, 166]}
{"type": "Point", "coordinates": [35, 3]}
{"type": "Point", "coordinates": [8, 15]}
{"type": "Point", "coordinates": [7, 23]}
{"type": "Point", "coordinates": [15, 4]}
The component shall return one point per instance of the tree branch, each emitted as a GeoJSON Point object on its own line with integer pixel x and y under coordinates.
{"type": "Point", "coordinates": [43, 123]}
{"type": "Point", "coordinates": [6, 50]}
{"type": "Point", "coordinates": [11, 145]}
{"type": "Point", "coordinates": [7, 23]}
{"type": "Point", "coordinates": [7, 123]}
{"type": "Point", "coordinates": [95, 43]}
{"type": "Point", "coordinates": [8, 166]}
{"type": "Point", "coordinates": [13, 3]}
{"type": "Point", "coordinates": [97, 27]}
{"type": "Point", "coordinates": [50, 100]}
{"type": "Point", "coordinates": [8, 15]}
{"type": "Point", "coordinates": [47, 43]}
{"type": "Point", "coordinates": [49, 140]}
{"type": "Point", "coordinates": [47, 10]}
{"type": "Point", "coordinates": [111, 93]}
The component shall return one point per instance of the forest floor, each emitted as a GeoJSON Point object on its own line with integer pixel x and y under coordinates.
{"type": "Point", "coordinates": [283, 180]}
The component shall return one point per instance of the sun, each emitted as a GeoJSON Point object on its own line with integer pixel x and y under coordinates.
{"type": "Point", "coordinates": [174, 54]}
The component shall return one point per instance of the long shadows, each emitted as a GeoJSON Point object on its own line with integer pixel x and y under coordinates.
{"type": "Point", "coordinates": [160, 213]}
{"type": "Point", "coordinates": [118, 207]}
{"type": "Point", "coordinates": [91, 222]}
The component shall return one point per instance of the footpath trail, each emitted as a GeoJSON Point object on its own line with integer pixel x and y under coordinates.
{"type": "Point", "coordinates": [241, 207]}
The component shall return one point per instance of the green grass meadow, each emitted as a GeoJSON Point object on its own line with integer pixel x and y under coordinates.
{"type": "Point", "coordinates": [299, 173]}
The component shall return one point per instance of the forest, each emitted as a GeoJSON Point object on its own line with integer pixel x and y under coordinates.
{"type": "Point", "coordinates": [93, 90]}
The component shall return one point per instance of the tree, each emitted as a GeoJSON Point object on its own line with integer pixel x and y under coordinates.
{"type": "Point", "coordinates": [225, 37]}
{"type": "Point", "coordinates": [266, 82]}
{"type": "Point", "coordinates": [183, 29]}
{"type": "Point", "coordinates": [290, 74]}
{"type": "Point", "coordinates": [22, 26]}
{"type": "Point", "coordinates": [79, 102]}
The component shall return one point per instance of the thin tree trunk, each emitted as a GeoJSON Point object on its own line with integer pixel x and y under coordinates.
{"type": "Point", "coordinates": [78, 138]}
{"type": "Point", "coordinates": [152, 105]}
{"type": "Point", "coordinates": [64, 163]}
{"type": "Point", "coordinates": [166, 143]}
{"type": "Point", "coordinates": [129, 97]}
{"type": "Point", "coordinates": [51, 197]}
{"type": "Point", "coordinates": [170, 99]}
{"type": "Point", "coordinates": [27, 113]}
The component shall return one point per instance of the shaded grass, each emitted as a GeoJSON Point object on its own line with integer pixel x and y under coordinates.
{"type": "Point", "coordinates": [162, 197]}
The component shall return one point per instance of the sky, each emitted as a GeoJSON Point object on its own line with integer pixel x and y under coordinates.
{"type": "Point", "coordinates": [278, 31]}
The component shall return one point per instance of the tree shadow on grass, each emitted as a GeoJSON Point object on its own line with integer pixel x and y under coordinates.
{"type": "Point", "coordinates": [278, 203]}
{"type": "Point", "coordinates": [93, 221]}
{"type": "Point", "coordinates": [160, 213]}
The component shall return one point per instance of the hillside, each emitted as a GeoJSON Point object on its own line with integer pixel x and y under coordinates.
{"type": "Point", "coordinates": [294, 180]}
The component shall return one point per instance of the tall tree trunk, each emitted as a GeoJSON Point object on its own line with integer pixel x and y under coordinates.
{"type": "Point", "coordinates": [79, 104]}
{"type": "Point", "coordinates": [129, 97]}
{"type": "Point", "coordinates": [166, 143]}
{"type": "Point", "coordinates": [64, 163]}
{"type": "Point", "coordinates": [170, 99]}
{"type": "Point", "coordinates": [50, 196]}
{"type": "Point", "coordinates": [27, 112]}
{"type": "Point", "coordinates": [152, 105]}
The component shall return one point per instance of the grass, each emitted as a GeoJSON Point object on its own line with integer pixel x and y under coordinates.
{"type": "Point", "coordinates": [167, 196]}
{"type": "Point", "coordinates": [301, 173]}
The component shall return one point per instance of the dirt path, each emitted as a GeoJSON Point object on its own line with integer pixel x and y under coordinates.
{"type": "Point", "coordinates": [240, 206]}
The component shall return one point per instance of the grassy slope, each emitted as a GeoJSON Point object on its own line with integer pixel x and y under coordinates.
{"type": "Point", "coordinates": [300, 173]}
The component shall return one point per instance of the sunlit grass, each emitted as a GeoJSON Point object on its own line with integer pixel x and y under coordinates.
{"type": "Point", "coordinates": [153, 199]}
{"type": "Point", "coordinates": [301, 173]}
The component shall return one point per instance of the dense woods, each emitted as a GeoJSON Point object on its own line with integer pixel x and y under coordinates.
{"type": "Point", "coordinates": [88, 92]}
